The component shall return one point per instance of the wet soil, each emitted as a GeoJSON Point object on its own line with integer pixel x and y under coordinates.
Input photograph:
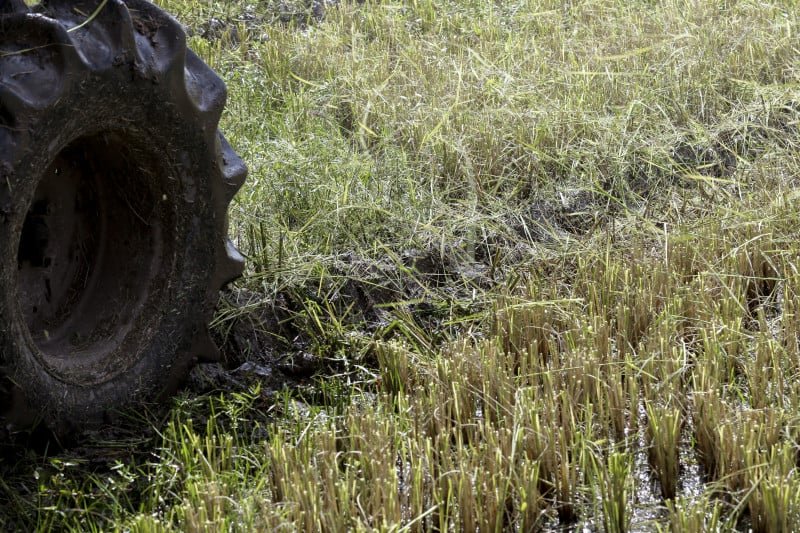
{"type": "Point", "coordinates": [301, 329]}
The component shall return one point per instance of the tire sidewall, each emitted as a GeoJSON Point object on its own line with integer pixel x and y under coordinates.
{"type": "Point", "coordinates": [117, 100]}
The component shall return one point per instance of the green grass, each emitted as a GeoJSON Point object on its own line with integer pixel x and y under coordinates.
{"type": "Point", "coordinates": [574, 228]}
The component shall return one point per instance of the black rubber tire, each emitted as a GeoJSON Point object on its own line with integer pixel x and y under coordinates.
{"type": "Point", "coordinates": [114, 189]}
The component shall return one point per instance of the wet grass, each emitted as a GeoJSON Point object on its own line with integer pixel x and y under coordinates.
{"type": "Point", "coordinates": [521, 266]}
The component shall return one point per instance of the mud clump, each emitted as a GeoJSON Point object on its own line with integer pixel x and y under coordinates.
{"type": "Point", "coordinates": [319, 324]}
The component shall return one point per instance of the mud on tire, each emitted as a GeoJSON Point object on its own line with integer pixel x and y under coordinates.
{"type": "Point", "coordinates": [114, 188]}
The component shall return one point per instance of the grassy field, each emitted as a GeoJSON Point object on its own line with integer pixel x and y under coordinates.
{"type": "Point", "coordinates": [523, 265]}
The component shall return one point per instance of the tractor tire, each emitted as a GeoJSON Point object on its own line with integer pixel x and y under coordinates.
{"type": "Point", "coordinates": [114, 190]}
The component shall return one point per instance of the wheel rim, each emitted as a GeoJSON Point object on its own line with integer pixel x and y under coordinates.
{"type": "Point", "coordinates": [91, 256]}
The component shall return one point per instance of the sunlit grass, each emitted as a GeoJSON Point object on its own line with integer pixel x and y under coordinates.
{"type": "Point", "coordinates": [604, 197]}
